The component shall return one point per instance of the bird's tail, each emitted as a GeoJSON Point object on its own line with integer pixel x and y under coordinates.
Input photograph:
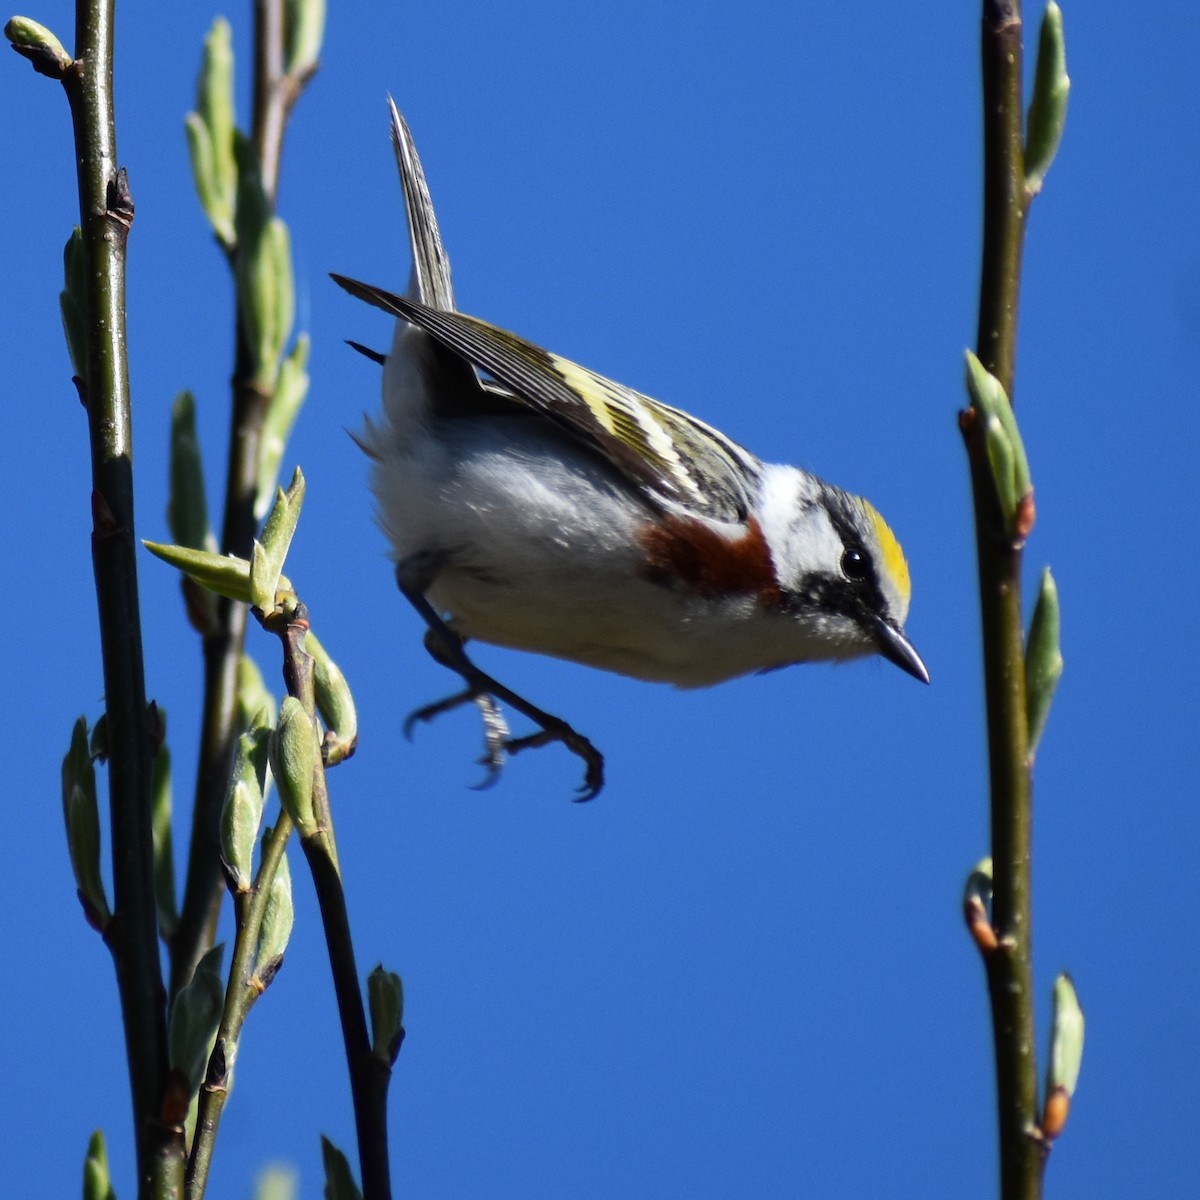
{"type": "Point", "coordinates": [430, 279]}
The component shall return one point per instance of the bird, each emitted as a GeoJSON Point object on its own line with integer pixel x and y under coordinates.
{"type": "Point", "coordinates": [534, 504]}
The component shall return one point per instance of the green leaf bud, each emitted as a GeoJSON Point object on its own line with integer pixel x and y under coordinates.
{"type": "Point", "coordinates": [97, 1185]}
{"type": "Point", "coordinates": [1048, 107]}
{"type": "Point", "coordinates": [278, 918]}
{"type": "Point", "coordinates": [304, 29]}
{"type": "Point", "coordinates": [72, 303]}
{"type": "Point", "coordinates": [291, 390]}
{"type": "Point", "coordinates": [1066, 1056]}
{"type": "Point", "coordinates": [195, 1017]}
{"type": "Point", "coordinates": [211, 135]}
{"type": "Point", "coordinates": [269, 554]}
{"type": "Point", "coordinates": [81, 816]}
{"type": "Point", "coordinates": [187, 507]}
{"type": "Point", "coordinates": [334, 702]}
{"type": "Point", "coordinates": [339, 1180]}
{"type": "Point", "coordinates": [1043, 659]}
{"type": "Point", "coordinates": [277, 1182]}
{"type": "Point", "coordinates": [1066, 1039]}
{"type": "Point", "coordinates": [977, 902]}
{"type": "Point", "coordinates": [293, 751]}
{"type": "Point", "coordinates": [385, 998]}
{"type": "Point", "coordinates": [164, 853]}
{"type": "Point", "coordinates": [242, 811]}
{"type": "Point", "coordinates": [220, 573]}
{"type": "Point", "coordinates": [256, 704]}
{"type": "Point", "coordinates": [36, 43]}
{"type": "Point", "coordinates": [1005, 449]}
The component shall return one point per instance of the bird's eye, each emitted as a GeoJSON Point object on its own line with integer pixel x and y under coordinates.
{"type": "Point", "coordinates": [854, 564]}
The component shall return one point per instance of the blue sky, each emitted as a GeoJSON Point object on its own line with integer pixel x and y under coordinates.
{"type": "Point", "coordinates": [741, 970]}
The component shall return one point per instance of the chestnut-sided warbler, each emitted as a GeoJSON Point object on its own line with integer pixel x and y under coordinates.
{"type": "Point", "coordinates": [543, 507]}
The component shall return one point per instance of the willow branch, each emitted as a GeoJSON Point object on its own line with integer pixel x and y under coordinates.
{"type": "Point", "coordinates": [369, 1075]}
{"type": "Point", "coordinates": [105, 217]}
{"type": "Point", "coordinates": [1009, 963]}
{"type": "Point", "coordinates": [244, 989]}
{"type": "Point", "coordinates": [275, 93]}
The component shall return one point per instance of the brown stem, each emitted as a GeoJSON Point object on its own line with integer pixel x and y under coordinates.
{"type": "Point", "coordinates": [106, 214]}
{"type": "Point", "coordinates": [275, 94]}
{"type": "Point", "coordinates": [1009, 964]}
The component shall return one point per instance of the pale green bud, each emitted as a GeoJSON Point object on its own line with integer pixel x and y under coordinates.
{"type": "Point", "coordinates": [293, 751]}
{"type": "Point", "coordinates": [385, 998]}
{"type": "Point", "coordinates": [277, 1182]}
{"type": "Point", "coordinates": [290, 393]}
{"type": "Point", "coordinates": [36, 43]}
{"type": "Point", "coordinates": [256, 704]}
{"type": "Point", "coordinates": [1043, 659]}
{"type": "Point", "coordinates": [268, 557]}
{"type": "Point", "coordinates": [278, 918]}
{"type": "Point", "coordinates": [1005, 449]}
{"type": "Point", "coordinates": [1066, 1055]}
{"type": "Point", "coordinates": [195, 1018]}
{"type": "Point", "coordinates": [334, 703]}
{"type": "Point", "coordinates": [304, 25]}
{"type": "Point", "coordinates": [72, 303]}
{"type": "Point", "coordinates": [211, 134]}
{"type": "Point", "coordinates": [97, 1185]}
{"type": "Point", "coordinates": [164, 853]}
{"type": "Point", "coordinates": [1048, 108]}
{"type": "Point", "coordinates": [339, 1180]}
{"type": "Point", "coordinates": [81, 816]}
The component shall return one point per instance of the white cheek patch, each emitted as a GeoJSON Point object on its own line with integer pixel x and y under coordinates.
{"type": "Point", "coordinates": [799, 532]}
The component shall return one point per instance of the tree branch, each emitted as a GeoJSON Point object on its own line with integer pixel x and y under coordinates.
{"type": "Point", "coordinates": [1009, 962]}
{"type": "Point", "coordinates": [106, 214]}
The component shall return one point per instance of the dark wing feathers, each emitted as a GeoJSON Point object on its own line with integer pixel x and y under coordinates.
{"type": "Point", "coordinates": [666, 452]}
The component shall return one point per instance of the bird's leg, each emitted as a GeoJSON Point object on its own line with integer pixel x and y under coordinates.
{"type": "Point", "coordinates": [446, 647]}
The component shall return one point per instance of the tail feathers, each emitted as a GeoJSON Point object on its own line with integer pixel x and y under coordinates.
{"type": "Point", "coordinates": [430, 281]}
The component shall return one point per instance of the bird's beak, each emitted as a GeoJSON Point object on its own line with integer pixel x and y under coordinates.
{"type": "Point", "coordinates": [895, 647]}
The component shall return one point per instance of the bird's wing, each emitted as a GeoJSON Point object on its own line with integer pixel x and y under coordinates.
{"type": "Point", "coordinates": [668, 453]}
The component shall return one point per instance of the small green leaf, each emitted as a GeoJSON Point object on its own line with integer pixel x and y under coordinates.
{"type": "Point", "coordinates": [256, 704]}
{"type": "Point", "coordinates": [195, 1017]}
{"type": "Point", "coordinates": [334, 702]}
{"type": "Point", "coordinates": [278, 918]}
{"type": "Point", "coordinates": [277, 1182]}
{"type": "Point", "coordinates": [269, 554]}
{"type": "Point", "coordinates": [81, 816]}
{"type": "Point", "coordinates": [304, 25]}
{"type": "Point", "coordinates": [164, 853]}
{"type": "Point", "coordinates": [293, 752]}
{"type": "Point", "coordinates": [72, 302]}
{"type": "Point", "coordinates": [36, 43]}
{"type": "Point", "coordinates": [339, 1181]}
{"type": "Point", "coordinates": [187, 507]}
{"type": "Point", "coordinates": [96, 1182]}
{"type": "Point", "coordinates": [1066, 1038]}
{"type": "Point", "coordinates": [290, 393]}
{"type": "Point", "coordinates": [385, 997]}
{"type": "Point", "coordinates": [220, 573]}
{"type": "Point", "coordinates": [1005, 449]}
{"type": "Point", "coordinates": [1043, 659]}
{"type": "Point", "coordinates": [1048, 108]}
{"type": "Point", "coordinates": [241, 814]}
{"type": "Point", "coordinates": [211, 135]}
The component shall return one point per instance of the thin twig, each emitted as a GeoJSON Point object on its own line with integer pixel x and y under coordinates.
{"type": "Point", "coordinates": [243, 990]}
{"type": "Point", "coordinates": [369, 1075]}
{"type": "Point", "coordinates": [1009, 963]}
{"type": "Point", "coordinates": [275, 93]}
{"type": "Point", "coordinates": [106, 213]}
